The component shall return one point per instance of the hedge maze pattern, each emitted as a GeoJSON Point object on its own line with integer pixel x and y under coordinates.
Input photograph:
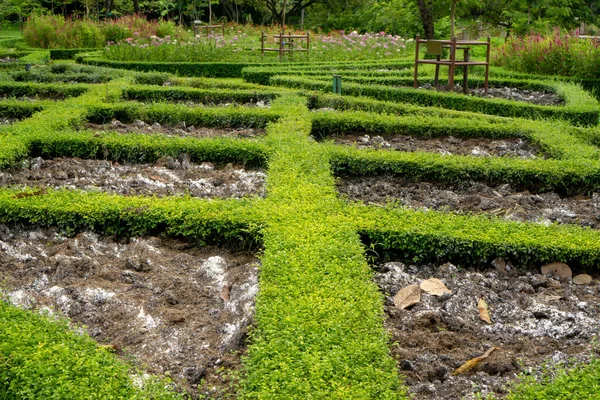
{"type": "Point", "coordinates": [318, 331]}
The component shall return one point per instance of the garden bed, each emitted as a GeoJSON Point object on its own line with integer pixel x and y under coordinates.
{"type": "Point", "coordinates": [509, 93]}
{"type": "Point", "coordinates": [474, 197]}
{"type": "Point", "coordinates": [169, 307]}
{"type": "Point", "coordinates": [481, 147]}
{"type": "Point", "coordinates": [182, 129]}
{"type": "Point", "coordinates": [168, 176]}
{"type": "Point", "coordinates": [538, 324]}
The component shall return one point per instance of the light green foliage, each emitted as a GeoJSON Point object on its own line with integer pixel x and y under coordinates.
{"type": "Point", "coordinates": [318, 330]}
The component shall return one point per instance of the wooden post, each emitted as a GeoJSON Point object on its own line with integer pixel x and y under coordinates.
{"type": "Point", "coordinates": [466, 73]}
{"type": "Point", "coordinates": [307, 43]}
{"type": "Point", "coordinates": [487, 66]}
{"type": "Point", "coordinates": [282, 30]}
{"type": "Point", "coordinates": [416, 60]}
{"type": "Point", "coordinates": [262, 43]}
{"type": "Point", "coordinates": [209, 29]}
{"type": "Point", "coordinates": [436, 81]}
{"type": "Point", "coordinates": [452, 64]}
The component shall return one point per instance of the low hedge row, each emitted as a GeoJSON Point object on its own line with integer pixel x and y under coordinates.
{"type": "Point", "coordinates": [563, 176]}
{"type": "Point", "coordinates": [144, 148]}
{"type": "Point", "coordinates": [319, 329]}
{"type": "Point", "coordinates": [423, 236]}
{"type": "Point", "coordinates": [558, 140]}
{"type": "Point", "coordinates": [67, 54]}
{"type": "Point", "coordinates": [263, 74]}
{"type": "Point", "coordinates": [42, 358]}
{"type": "Point", "coordinates": [223, 69]}
{"type": "Point", "coordinates": [19, 109]}
{"type": "Point", "coordinates": [153, 93]}
{"type": "Point", "coordinates": [55, 91]}
{"type": "Point", "coordinates": [173, 114]}
{"type": "Point", "coordinates": [581, 108]}
{"type": "Point", "coordinates": [232, 223]}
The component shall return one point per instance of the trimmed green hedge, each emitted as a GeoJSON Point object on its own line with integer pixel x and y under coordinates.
{"type": "Point", "coordinates": [67, 54]}
{"type": "Point", "coordinates": [319, 329]}
{"type": "Point", "coordinates": [153, 93]}
{"type": "Point", "coordinates": [54, 91]}
{"type": "Point", "coordinates": [221, 69]}
{"type": "Point", "coordinates": [43, 358]}
{"type": "Point", "coordinates": [580, 383]}
{"type": "Point", "coordinates": [422, 236]}
{"type": "Point", "coordinates": [19, 109]}
{"type": "Point", "coordinates": [580, 109]}
{"type": "Point", "coordinates": [232, 223]}
{"type": "Point", "coordinates": [562, 176]}
{"type": "Point", "coordinates": [558, 140]}
{"type": "Point", "coordinates": [172, 114]}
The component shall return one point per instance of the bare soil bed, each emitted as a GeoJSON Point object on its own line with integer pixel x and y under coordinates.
{"type": "Point", "coordinates": [479, 147]}
{"type": "Point", "coordinates": [168, 176]}
{"type": "Point", "coordinates": [536, 322]}
{"type": "Point", "coordinates": [169, 307]}
{"type": "Point", "coordinates": [182, 130]}
{"type": "Point", "coordinates": [476, 198]}
{"type": "Point", "coordinates": [530, 96]}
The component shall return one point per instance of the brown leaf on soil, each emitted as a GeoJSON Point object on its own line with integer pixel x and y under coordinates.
{"type": "Point", "coordinates": [472, 363]}
{"type": "Point", "coordinates": [558, 270]}
{"type": "Point", "coordinates": [225, 292]}
{"type": "Point", "coordinates": [484, 312]}
{"type": "Point", "coordinates": [434, 287]}
{"type": "Point", "coordinates": [500, 265]}
{"type": "Point", "coordinates": [407, 296]}
{"type": "Point", "coordinates": [582, 279]}
{"type": "Point", "coordinates": [548, 297]}
{"type": "Point", "coordinates": [158, 178]}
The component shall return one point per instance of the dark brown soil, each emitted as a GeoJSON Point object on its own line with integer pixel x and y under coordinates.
{"type": "Point", "coordinates": [531, 329]}
{"type": "Point", "coordinates": [529, 96]}
{"type": "Point", "coordinates": [180, 130]}
{"type": "Point", "coordinates": [475, 198]}
{"type": "Point", "coordinates": [159, 302]}
{"type": "Point", "coordinates": [480, 147]}
{"type": "Point", "coordinates": [168, 176]}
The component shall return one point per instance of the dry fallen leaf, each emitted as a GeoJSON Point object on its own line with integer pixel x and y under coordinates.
{"type": "Point", "coordinates": [558, 270]}
{"type": "Point", "coordinates": [582, 279]}
{"type": "Point", "coordinates": [225, 293]}
{"type": "Point", "coordinates": [407, 296]}
{"type": "Point", "coordinates": [158, 178]}
{"type": "Point", "coordinates": [472, 363]}
{"type": "Point", "coordinates": [500, 265]}
{"type": "Point", "coordinates": [484, 312]}
{"type": "Point", "coordinates": [435, 287]}
{"type": "Point", "coordinates": [548, 297]}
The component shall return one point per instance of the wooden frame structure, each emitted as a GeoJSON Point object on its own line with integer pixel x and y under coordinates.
{"type": "Point", "coordinates": [210, 27]}
{"type": "Point", "coordinates": [436, 47]}
{"type": "Point", "coordinates": [282, 40]}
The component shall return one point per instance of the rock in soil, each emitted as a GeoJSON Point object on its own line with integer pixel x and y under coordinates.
{"type": "Point", "coordinates": [180, 129]}
{"type": "Point", "coordinates": [168, 176]}
{"type": "Point", "coordinates": [479, 147]}
{"type": "Point", "coordinates": [535, 322]}
{"type": "Point", "coordinates": [155, 300]}
{"type": "Point", "coordinates": [474, 198]}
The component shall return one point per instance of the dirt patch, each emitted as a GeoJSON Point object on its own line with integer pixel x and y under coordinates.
{"type": "Point", "coordinates": [479, 147]}
{"type": "Point", "coordinates": [170, 307]}
{"type": "Point", "coordinates": [475, 198]}
{"type": "Point", "coordinates": [168, 176]}
{"type": "Point", "coordinates": [7, 121]}
{"type": "Point", "coordinates": [529, 96]}
{"type": "Point", "coordinates": [181, 130]}
{"type": "Point", "coordinates": [530, 327]}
